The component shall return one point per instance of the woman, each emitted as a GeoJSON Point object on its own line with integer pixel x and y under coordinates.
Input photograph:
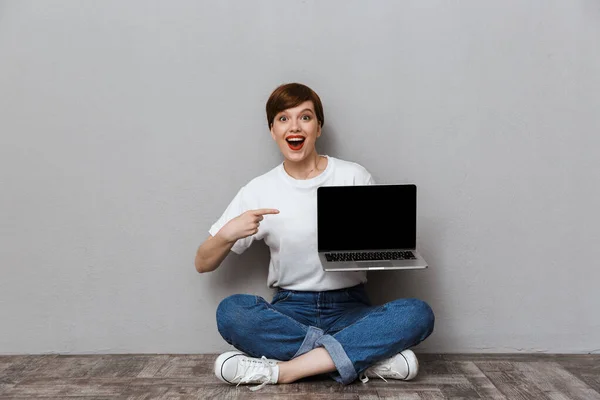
{"type": "Point", "coordinates": [318, 322]}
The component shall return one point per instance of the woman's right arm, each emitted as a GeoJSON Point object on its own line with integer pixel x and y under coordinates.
{"type": "Point", "coordinates": [214, 250]}
{"type": "Point", "coordinates": [211, 253]}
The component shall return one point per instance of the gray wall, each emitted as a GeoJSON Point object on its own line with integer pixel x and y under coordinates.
{"type": "Point", "coordinates": [128, 126]}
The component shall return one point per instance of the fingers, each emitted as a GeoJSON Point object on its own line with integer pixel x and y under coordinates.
{"type": "Point", "coordinates": [258, 216]}
{"type": "Point", "coordinates": [264, 211]}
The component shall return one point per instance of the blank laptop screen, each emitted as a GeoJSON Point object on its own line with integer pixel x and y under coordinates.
{"type": "Point", "coordinates": [373, 217]}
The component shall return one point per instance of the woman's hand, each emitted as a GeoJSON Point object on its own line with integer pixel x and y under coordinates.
{"type": "Point", "coordinates": [244, 225]}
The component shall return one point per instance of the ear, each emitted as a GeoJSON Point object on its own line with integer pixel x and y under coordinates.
{"type": "Point", "coordinates": [319, 131]}
{"type": "Point", "coordinates": [272, 134]}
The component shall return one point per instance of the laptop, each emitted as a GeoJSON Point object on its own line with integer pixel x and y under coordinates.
{"type": "Point", "coordinates": [371, 227]}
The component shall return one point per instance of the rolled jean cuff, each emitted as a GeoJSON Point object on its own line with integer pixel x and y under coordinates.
{"type": "Point", "coordinates": [345, 368]}
{"type": "Point", "coordinates": [312, 335]}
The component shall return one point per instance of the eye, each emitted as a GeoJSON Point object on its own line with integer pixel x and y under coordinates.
{"type": "Point", "coordinates": [306, 118]}
{"type": "Point", "coordinates": [283, 118]}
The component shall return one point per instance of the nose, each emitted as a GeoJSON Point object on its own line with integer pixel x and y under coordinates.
{"type": "Point", "coordinates": [294, 126]}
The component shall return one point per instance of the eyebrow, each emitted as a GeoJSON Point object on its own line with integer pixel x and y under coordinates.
{"type": "Point", "coordinates": [306, 109]}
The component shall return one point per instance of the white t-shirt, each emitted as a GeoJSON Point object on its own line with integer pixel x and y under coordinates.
{"type": "Point", "coordinates": [292, 234]}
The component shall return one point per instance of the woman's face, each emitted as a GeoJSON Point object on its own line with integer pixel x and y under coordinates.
{"type": "Point", "coordinates": [299, 123]}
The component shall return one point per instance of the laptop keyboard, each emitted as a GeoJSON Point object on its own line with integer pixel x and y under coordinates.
{"type": "Point", "coordinates": [370, 256]}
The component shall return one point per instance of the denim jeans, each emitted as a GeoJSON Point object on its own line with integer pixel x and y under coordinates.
{"type": "Point", "coordinates": [355, 333]}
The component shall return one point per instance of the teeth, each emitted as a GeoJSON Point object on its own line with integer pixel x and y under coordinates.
{"type": "Point", "coordinates": [295, 139]}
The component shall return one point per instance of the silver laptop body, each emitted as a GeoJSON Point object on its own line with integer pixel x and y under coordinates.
{"type": "Point", "coordinates": [372, 227]}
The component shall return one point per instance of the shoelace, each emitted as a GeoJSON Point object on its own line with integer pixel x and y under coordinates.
{"type": "Point", "coordinates": [364, 378]}
{"type": "Point", "coordinates": [254, 371]}
{"type": "Point", "coordinates": [377, 369]}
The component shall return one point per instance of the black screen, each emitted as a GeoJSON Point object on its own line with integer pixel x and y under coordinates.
{"type": "Point", "coordinates": [366, 217]}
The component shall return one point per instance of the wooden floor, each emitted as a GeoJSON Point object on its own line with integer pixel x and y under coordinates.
{"type": "Point", "coordinates": [471, 376]}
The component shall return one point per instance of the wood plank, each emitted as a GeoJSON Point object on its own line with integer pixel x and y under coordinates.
{"type": "Point", "coordinates": [367, 396]}
{"type": "Point", "coordinates": [51, 387]}
{"type": "Point", "coordinates": [17, 368]}
{"type": "Point", "coordinates": [432, 395]}
{"type": "Point", "coordinates": [513, 385]}
{"type": "Point", "coordinates": [391, 395]}
{"type": "Point", "coordinates": [268, 392]}
{"type": "Point", "coordinates": [480, 382]}
{"type": "Point", "coordinates": [4, 387]}
{"type": "Point", "coordinates": [587, 370]}
{"type": "Point", "coordinates": [509, 357]}
{"type": "Point", "coordinates": [187, 365]}
{"type": "Point", "coordinates": [156, 376]}
{"type": "Point", "coordinates": [495, 366]}
{"type": "Point", "coordinates": [153, 365]}
{"type": "Point", "coordinates": [444, 378]}
{"type": "Point", "coordinates": [119, 365]}
{"type": "Point", "coordinates": [550, 377]}
{"type": "Point", "coordinates": [69, 398]}
{"type": "Point", "coordinates": [66, 366]}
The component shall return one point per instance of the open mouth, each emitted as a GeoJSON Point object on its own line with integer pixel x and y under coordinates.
{"type": "Point", "coordinates": [295, 143]}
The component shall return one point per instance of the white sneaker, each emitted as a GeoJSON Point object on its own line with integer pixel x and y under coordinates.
{"type": "Point", "coordinates": [236, 368]}
{"type": "Point", "coordinates": [403, 366]}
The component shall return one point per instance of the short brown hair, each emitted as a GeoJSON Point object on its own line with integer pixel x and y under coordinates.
{"type": "Point", "coordinates": [291, 95]}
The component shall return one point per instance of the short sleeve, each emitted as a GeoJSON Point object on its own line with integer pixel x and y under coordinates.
{"type": "Point", "coordinates": [234, 209]}
{"type": "Point", "coordinates": [370, 179]}
{"type": "Point", "coordinates": [365, 177]}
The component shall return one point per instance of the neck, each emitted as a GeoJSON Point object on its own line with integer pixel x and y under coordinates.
{"type": "Point", "coordinates": [311, 165]}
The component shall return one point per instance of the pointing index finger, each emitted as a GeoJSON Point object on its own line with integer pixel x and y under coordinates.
{"type": "Point", "coordinates": [263, 211]}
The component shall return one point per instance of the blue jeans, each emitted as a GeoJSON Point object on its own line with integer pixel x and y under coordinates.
{"type": "Point", "coordinates": [355, 333]}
